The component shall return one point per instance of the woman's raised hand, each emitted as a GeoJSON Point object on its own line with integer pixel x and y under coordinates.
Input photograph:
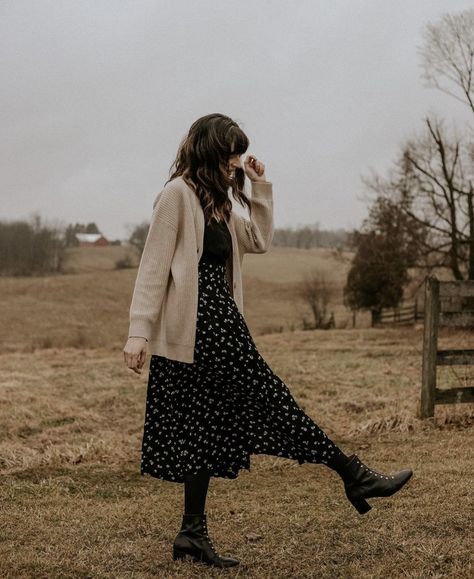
{"type": "Point", "coordinates": [134, 353]}
{"type": "Point", "coordinates": [254, 169]}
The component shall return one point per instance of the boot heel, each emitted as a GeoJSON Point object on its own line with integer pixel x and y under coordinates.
{"type": "Point", "coordinates": [178, 554]}
{"type": "Point", "coordinates": [361, 505]}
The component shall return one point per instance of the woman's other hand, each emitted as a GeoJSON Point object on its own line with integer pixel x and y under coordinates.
{"type": "Point", "coordinates": [254, 169]}
{"type": "Point", "coordinates": [135, 353]}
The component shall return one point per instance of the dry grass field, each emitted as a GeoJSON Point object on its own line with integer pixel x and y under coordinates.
{"type": "Point", "coordinates": [72, 501]}
{"type": "Point", "coordinates": [88, 307]}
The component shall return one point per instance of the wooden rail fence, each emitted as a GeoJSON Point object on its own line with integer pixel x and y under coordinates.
{"type": "Point", "coordinates": [447, 303]}
{"type": "Point", "coordinates": [404, 314]}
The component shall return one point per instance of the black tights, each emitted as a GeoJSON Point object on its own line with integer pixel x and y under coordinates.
{"type": "Point", "coordinates": [196, 485]}
{"type": "Point", "coordinates": [195, 492]}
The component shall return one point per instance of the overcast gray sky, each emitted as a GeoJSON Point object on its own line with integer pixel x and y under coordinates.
{"type": "Point", "coordinates": [97, 94]}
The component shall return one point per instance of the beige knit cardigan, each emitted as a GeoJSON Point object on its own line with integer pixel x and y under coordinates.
{"type": "Point", "coordinates": [165, 297]}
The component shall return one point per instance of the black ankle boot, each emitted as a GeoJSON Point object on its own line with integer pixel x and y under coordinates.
{"type": "Point", "coordinates": [193, 540]}
{"type": "Point", "coordinates": [361, 482]}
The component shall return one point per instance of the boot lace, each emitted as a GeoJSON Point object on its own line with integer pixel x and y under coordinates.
{"type": "Point", "coordinates": [204, 526]}
{"type": "Point", "coordinates": [374, 472]}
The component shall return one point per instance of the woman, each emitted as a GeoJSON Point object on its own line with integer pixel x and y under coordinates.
{"type": "Point", "coordinates": [212, 400]}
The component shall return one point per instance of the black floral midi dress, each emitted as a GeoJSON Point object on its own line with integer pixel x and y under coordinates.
{"type": "Point", "coordinates": [228, 404]}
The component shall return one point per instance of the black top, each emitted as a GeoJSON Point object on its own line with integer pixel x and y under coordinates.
{"type": "Point", "coordinates": [217, 241]}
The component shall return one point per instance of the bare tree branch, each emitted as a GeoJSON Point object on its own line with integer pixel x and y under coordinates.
{"type": "Point", "coordinates": [448, 53]}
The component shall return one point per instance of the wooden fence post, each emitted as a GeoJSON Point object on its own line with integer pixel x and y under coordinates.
{"type": "Point", "coordinates": [430, 347]}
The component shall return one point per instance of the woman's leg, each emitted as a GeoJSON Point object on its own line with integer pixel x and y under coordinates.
{"type": "Point", "coordinates": [193, 538]}
{"type": "Point", "coordinates": [338, 460]}
{"type": "Point", "coordinates": [195, 492]}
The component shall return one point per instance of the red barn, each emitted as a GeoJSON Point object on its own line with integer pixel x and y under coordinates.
{"type": "Point", "coordinates": [91, 239]}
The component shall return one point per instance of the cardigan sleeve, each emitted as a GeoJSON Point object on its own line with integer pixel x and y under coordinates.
{"type": "Point", "coordinates": [155, 264]}
{"type": "Point", "coordinates": [256, 235]}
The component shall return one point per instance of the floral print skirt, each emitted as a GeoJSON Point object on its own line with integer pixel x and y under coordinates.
{"type": "Point", "coordinates": [214, 413]}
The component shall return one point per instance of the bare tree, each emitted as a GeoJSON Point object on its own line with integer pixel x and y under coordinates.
{"type": "Point", "coordinates": [305, 237]}
{"type": "Point", "coordinates": [448, 55]}
{"type": "Point", "coordinates": [138, 236]}
{"type": "Point", "coordinates": [30, 247]}
{"type": "Point", "coordinates": [317, 292]}
{"type": "Point", "coordinates": [310, 236]}
{"type": "Point", "coordinates": [432, 182]}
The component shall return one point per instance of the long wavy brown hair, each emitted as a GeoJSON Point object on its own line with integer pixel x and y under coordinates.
{"type": "Point", "coordinates": [202, 160]}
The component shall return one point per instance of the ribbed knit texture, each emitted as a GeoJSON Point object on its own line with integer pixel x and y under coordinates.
{"type": "Point", "coordinates": [164, 303]}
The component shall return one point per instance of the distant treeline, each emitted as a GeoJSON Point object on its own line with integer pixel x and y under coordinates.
{"type": "Point", "coordinates": [71, 230]}
{"type": "Point", "coordinates": [30, 248]}
{"type": "Point", "coordinates": [305, 237]}
{"type": "Point", "coordinates": [310, 236]}
{"type": "Point", "coordinates": [35, 248]}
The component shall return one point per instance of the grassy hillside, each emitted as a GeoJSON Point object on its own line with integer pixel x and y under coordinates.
{"type": "Point", "coordinates": [91, 259]}
{"type": "Point", "coordinates": [89, 308]}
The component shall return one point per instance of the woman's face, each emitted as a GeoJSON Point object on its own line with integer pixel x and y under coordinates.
{"type": "Point", "coordinates": [234, 162]}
